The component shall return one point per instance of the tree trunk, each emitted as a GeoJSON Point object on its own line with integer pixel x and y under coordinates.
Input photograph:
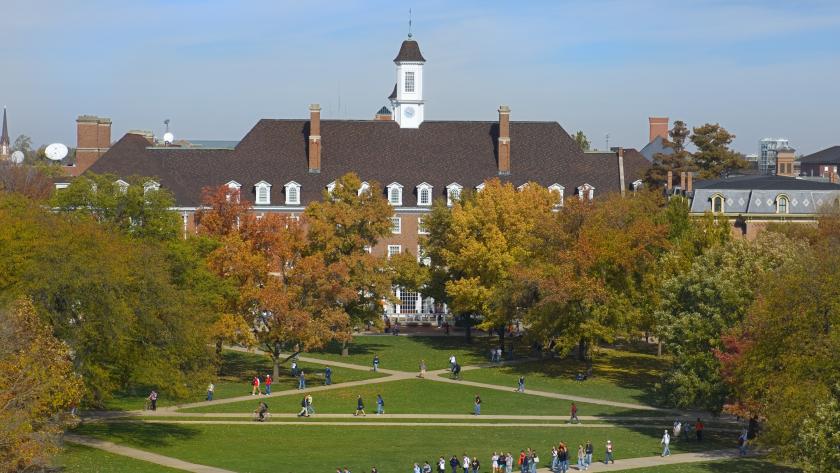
{"type": "Point", "coordinates": [219, 348]}
{"type": "Point", "coordinates": [582, 349]}
{"type": "Point", "coordinates": [275, 373]}
{"type": "Point", "coordinates": [658, 347]}
{"type": "Point", "coordinates": [502, 337]}
{"type": "Point", "coordinates": [467, 327]}
{"type": "Point", "coordinates": [344, 350]}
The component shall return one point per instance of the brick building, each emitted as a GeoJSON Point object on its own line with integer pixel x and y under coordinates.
{"type": "Point", "coordinates": [283, 164]}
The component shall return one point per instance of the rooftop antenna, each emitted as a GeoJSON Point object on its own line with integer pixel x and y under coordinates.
{"type": "Point", "coordinates": [409, 23]}
{"type": "Point", "coordinates": [166, 122]}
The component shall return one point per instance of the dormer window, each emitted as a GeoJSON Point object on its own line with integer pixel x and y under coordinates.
{"type": "Point", "coordinates": [586, 191]}
{"type": "Point", "coordinates": [522, 187]}
{"type": "Point", "coordinates": [637, 185]}
{"type": "Point", "coordinates": [782, 204]}
{"type": "Point", "coordinates": [233, 189]}
{"type": "Point", "coordinates": [395, 193]}
{"type": "Point", "coordinates": [151, 186]}
{"type": "Point", "coordinates": [364, 187]}
{"type": "Point", "coordinates": [453, 193]}
{"type": "Point", "coordinates": [292, 193]}
{"type": "Point", "coordinates": [263, 190]}
{"type": "Point", "coordinates": [717, 204]}
{"type": "Point", "coordinates": [121, 185]}
{"type": "Point", "coordinates": [479, 187]}
{"type": "Point", "coordinates": [558, 189]}
{"type": "Point", "coordinates": [331, 187]}
{"type": "Point", "coordinates": [424, 194]}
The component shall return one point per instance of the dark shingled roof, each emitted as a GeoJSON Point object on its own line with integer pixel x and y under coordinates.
{"type": "Point", "coordinates": [384, 111]}
{"type": "Point", "coordinates": [393, 93]}
{"type": "Point", "coordinates": [438, 152]}
{"type": "Point", "coordinates": [635, 165]}
{"type": "Point", "coordinates": [765, 183]}
{"type": "Point", "coordinates": [409, 52]}
{"type": "Point", "coordinates": [826, 156]}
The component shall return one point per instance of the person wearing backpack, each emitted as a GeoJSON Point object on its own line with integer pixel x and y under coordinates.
{"type": "Point", "coordinates": [380, 404]}
{"type": "Point", "coordinates": [304, 412]}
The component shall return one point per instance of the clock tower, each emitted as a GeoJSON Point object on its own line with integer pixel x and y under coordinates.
{"type": "Point", "coordinates": [407, 98]}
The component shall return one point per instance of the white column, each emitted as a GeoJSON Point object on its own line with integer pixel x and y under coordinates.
{"type": "Point", "coordinates": [397, 306]}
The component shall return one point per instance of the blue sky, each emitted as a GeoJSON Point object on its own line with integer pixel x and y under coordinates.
{"type": "Point", "coordinates": [215, 67]}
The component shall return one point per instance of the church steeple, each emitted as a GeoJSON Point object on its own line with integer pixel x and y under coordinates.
{"type": "Point", "coordinates": [5, 144]}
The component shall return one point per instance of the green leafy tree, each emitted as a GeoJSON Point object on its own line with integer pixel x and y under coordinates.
{"type": "Point", "coordinates": [582, 141]}
{"type": "Point", "coordinates": [677, 160]}
{"type": "Point", "coordinates": [713, 157]}
{"type": "Point", "coordinates": [133, 209]}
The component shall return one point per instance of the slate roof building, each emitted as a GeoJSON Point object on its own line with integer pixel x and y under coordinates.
{"type": "Point", "coordinates": [283, 164]}
{"type": "Point", "coordinates": [823, 163]}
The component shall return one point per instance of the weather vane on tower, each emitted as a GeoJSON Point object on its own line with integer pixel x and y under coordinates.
{"type": "Point", "coordinates": [409, 22]}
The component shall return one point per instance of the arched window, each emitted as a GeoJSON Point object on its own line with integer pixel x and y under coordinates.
{"type": "Point", "coordinates": [263, 193]}
{"type": "Point", "coordinates": [453, 193]}
{"type": "Point", "coordinates": [395, 193]}
{"type": "Point", "coordinates": [424, 194]}
{"type": "Point", "coordinates": [782, 204]}
{"type": "Point", "coordinates": [292, 193]}
{"type": "Point", "coordinates": [717, 203]}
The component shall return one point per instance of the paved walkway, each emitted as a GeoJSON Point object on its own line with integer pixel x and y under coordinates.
{"type": "Point", "coordinates": [648, 462]}
{"type": "Point", "coordinates": [142, 455]}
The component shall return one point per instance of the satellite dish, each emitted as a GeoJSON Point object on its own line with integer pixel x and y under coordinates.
{"type": "Point", "coordinates": [168, 137]}
{"type": "Point", "coordinates": [56, 152]}
{"type": "Point", "coordinates": [17, 157]}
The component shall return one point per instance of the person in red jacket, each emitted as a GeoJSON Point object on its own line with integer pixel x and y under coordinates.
{"type": "Point", "coordinates": [255, 386]}
{"type": "Point", "coordinates": [268, 385]}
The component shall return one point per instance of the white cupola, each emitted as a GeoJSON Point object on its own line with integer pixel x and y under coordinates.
{"type": "Point", "coordinates": [407, 97]}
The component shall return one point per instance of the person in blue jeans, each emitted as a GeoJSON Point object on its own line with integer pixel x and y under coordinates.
{"type": "Point", "coordinates": [453, 463]}
{"type": "Point", "coordinates": [302, 380]}
{"type": "Point", "coordinates": [380, 404]}
{"type": "Point", "coordinates": [375, 363]}
{"type": "Point", "coordinates": [477, 405]}
{"type": "Point", "coordinates": [328, 376]}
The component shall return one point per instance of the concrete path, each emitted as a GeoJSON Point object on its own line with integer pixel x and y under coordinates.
{"type": "Point", "coordinates": [648, 462]}
{"type": "Point", "coordinates": [142, 455]}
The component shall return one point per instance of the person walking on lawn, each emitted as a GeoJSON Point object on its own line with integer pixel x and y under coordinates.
{"type": "Point", "coordinates": [581, 458]}
{"type": "Point", "coordinates": [698, 429]}
{"type": "Point", "coordinates": [453, 463]}
{"type": "Point", "coordinates": [573, 418]}
{"type": "Point", "coordinates": [268, 385]}
{"type": "Point", "coordinates": [520, 388]}
{"type": "Point", "coordinates": [360, 407]}
{"type": "Point", "coordinates": [477, 405]}
{"type": "Point", "coordinates": [466, 463]}
{"type": "Point", "coordinates": [441, 465]}
{"type": "Point", "coordinates": [375, 363]}
{"type": "Point", "coordinates": [422, 369]}
{"type": "Point", "coordinates": [380, 404]}
{"type": "Point", "coordinates": [452, 362]}
{"type": "Point", "coordinates": [211, 388]}
{"type": "Point", "coordinates": [304, 412]}
{"type": "Point", "coordinates": [255, 386]}
{"type": "Point", "coordinates": [153, 400]}
{"type": "Point", "coordinates": [666, 442]}
{"type": "Point", "coordinates": [327, 376]}
{"type": "Point", "coordinates": [523, 462]}
{"type": "Point", "coordinates": [589, 450]}
{"type": "Point", "coordinates": [310, 408]}
{"type": "Point", "coordinates": [475, 465]}
{"type": "Point", "coordinates": [302, 380]}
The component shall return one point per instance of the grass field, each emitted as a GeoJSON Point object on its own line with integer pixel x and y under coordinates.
{"type": "Point", "coordinates": [236, 371]}
{"type": "Point", "coordinates": [405, 353]}
{"type": "Point", "coordinates": [739, 465]}
{"type": "Point", "coordinates": [416, 396]}
{"type": "Point", "coordinates": [278, 448]}
{"type": "Point", "coordinates": [81, 459]}
{"type": "Point", "coordinates": [621, 376]}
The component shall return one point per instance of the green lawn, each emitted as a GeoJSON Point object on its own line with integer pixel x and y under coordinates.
{"type": "Point", "coordinates": [416, 396]}
{"type": "Point", "coordinates": [81, 459]}
{"type": "Point", "coordinates": [236, 372]}
{"type": "Point", "coordinates": [279, 448]}
{"type": "Point", "coordinates": [739, 465]}
{"type": "Point", "coordinates": [405, 353]}
{"type": "Point", "coordinates": [621, 376]}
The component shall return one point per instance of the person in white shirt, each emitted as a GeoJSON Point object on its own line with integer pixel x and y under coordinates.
{"type": "Point", "coordinates": [666, 441]}
{"type": "Point", "coordinates": [466, 463]}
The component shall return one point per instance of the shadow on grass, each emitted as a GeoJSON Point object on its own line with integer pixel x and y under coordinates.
{"type": "Point", "coordinates": [749, 465]}
{"type": "Point", "coordinates": [142, 435]}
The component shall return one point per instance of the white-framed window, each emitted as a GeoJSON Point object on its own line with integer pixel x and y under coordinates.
{"type": "Point", "coordinates": [368, 249]}
{"type": "Point", "coordinates": [396, 225]}
{"type": "Point", "coordinates": [292, 193]}
{"type": "Point", "coordinates": [408, 302]}
{"type": "Point", "coordinates": [151, 186]}
{"type": "Point", "coordinates": [718, 204]}
{"type": "Point", "coordinates": [424, 194]}
{"type": "Point", "coordinates": [586, 191]}
{"type": "Point", "coordinates": [395, 193]}
{"type": "Point", "coordinates": [263, 193]}
{"type": "Point", "coordinates": [61, 185]}
{"type": "Point", "coordinates": [122, 185]}
{"type": "Point", "coordinates": [364, 187]}
{"type": "Point", "coordinates": [479, 187]}
{"type": "Point", "coordinates": [394, 250]}
{"type": "Point", "coordinates": [453, 193]}
{"type": "Point", "coordinates": [421, 227]}
{"type": "Point", "coordinates": [409, 81]}
{"type": "Point", "coordinates": [782, 204]}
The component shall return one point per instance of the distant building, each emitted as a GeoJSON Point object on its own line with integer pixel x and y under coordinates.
{"type": "Point", "coordinates": [5, 144]}
{"type": "Point", "coordinates": [657, 137]}
{"type": "Point", "coordinates": [823, 163]}
{"type": "Point", "coordinates": [767, 148]}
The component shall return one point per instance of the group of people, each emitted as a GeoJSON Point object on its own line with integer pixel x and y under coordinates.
{"type": "Point", "coordinates": [360, 406]}
{"type": "Point", "coordinates": [528, 461]}
{"type": "Point", "coordinates": [262, 386]}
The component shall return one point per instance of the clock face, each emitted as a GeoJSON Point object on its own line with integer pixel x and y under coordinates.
{"type": "Point", "coordinates": [409, 112]}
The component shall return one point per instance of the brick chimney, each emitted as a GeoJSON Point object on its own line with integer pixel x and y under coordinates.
{"type": "Point", "coordinates": [504, 140]}
{"type": "Point", "coordinates": [682, 181]}
{"type": "Point", "coordinates": [620, 154]}
{"type": "Point", "coordinates": [689, 186]}
{"type": "Point", "coordinates": [93, 138]}
{"type": "Point", "coordinates": [658, 127]}
{"type": "Point", "coordinates": [314, 138]}
{"type": "Point", "coordinates": [670, 184]}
